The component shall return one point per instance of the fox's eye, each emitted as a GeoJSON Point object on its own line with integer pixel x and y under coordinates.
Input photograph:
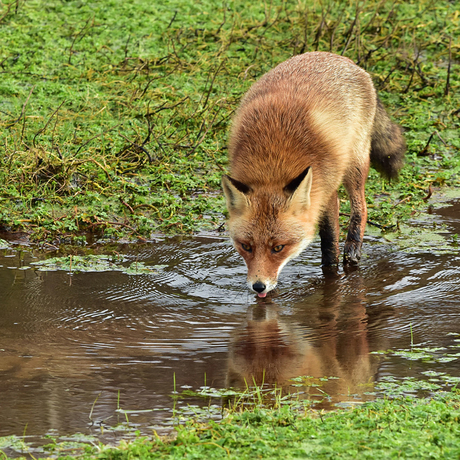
{"type": "Point", "coordinates": [278, 248]}
{"type": "Point", "coordinates": [246, 247]}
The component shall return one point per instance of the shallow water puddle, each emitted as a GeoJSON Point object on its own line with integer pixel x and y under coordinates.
{"type": "Point", "coordinates": [77, 348]}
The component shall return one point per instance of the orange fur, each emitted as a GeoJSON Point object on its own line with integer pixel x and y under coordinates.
{"type": "Point", "coordinates": [303, 129]}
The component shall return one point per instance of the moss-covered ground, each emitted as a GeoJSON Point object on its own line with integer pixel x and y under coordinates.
{"type": "Point", "coordinates": [114, 115]}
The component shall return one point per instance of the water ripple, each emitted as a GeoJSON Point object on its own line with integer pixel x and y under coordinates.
{"type": "Point", "coordinates": [65, 339]}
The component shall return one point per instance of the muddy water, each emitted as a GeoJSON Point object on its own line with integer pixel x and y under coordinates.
{"type": "Point", "coordinates": [74, 348]}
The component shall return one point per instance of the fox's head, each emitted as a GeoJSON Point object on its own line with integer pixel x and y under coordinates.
{"type": "Point", "coordinates": [268, 226]}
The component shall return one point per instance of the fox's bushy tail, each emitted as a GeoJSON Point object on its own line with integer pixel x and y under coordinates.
{"type": "Point", "coordinates": [388, 145]}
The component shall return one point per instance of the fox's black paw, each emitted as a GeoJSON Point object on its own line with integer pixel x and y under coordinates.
{"type": "Point", "coordinates": [352, 252]}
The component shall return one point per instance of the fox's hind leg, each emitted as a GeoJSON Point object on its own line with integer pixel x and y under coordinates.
{"type": "Point", "coordinates": [355, 186]}
{"type": "Point", "coordinates": [329, 233]}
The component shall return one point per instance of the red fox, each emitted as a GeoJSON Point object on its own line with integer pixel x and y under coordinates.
{"type": "Point", "coordinates": [308, 125]}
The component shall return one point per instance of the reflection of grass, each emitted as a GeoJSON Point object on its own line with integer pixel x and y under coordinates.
{"type": "Point", "coordinates": [114, 114]}
{"type": "Point", "coordinates": [426, 354]}
{"type": "Point", "coordinates": [411, 418]}
{"type": "Point", "coordinates": [95, 263]}
{"type": "Point", "coordinates": [399, 427]}
{"type": "Point", "coordinates": [425, 231]}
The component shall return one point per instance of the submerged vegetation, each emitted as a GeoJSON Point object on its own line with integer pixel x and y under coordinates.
{"type": "Point", "coordinates": [396, 426]}
{"type": "Point", "coordinates": [410, 417]}
{"type": "Point", "coordinates": [381, 430]}
{"type": "Point", "coordinates": [94, 263]}
{"type": "Point", "coordinates": [114, 115]}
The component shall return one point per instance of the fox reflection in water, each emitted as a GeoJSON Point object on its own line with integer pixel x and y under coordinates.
{"type": "Point", "coordinates": [330, 334]}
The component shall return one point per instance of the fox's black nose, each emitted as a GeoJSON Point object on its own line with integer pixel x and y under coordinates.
{"type": "Point", "coordinates": [258, 286]}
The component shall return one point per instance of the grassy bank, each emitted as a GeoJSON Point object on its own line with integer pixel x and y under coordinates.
{"type": "Point", "coordinates": [404, 427]}
{"type": "Point", "coordinates": [381, 430]}
{"type": "Point", "coordinates": [114, 115]}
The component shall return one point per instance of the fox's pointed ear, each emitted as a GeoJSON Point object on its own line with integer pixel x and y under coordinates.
{"type": "Point", "coordinates": [299, 190]}
{"type": "Point", "coordinates": [235, 194]}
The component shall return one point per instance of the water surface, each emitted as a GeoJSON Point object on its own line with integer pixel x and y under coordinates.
{"type": "Point", "coordinates": [75, 347]}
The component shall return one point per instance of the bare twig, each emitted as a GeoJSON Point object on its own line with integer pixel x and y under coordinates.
{"type": "Point", "coordinates": [212, 84]}
{"type": "Point", "coordinates": [172, 20]}
{"type": "Point", "coordinates": [8, 8]}
{"type": "Point", "coordinates": [131, 210]}
{"type": "Point", "coordinates": [370, 222]}
{"type": "Point", "coordinates": [350, 31]}
{"type": "Point", "coordinates": [75, 38]}
{"type": "Point", "coordinates": [441, 139]}
{"type": "Point", "coordinates": [382, 85]}
{"type": "Point", "coordinates": [146, 205]}
{"type": "Point", "coordinates": [165, 107]}
{"type": "Point", "coordinates": [223, 21]}
{"type": "Point", "coordinates": [404, 200]}
{"type": "Point", "coordinates": [430, 192]}
{"type": "Point", "coordinates": [23, 110]}
{"type": "Point", "coordinates": [126, 46]}
{"type": "Point", "coordinates": [319, 32]}
{"type": "Point", "coordinates": [205, 133]}
{"type": "Point", "coordinates": [305, 33]}
{"type": "Point", "coordinates": [424, 151]}
{"type": "Point", "coordinates": [421, 75]}
{"type": "Point", "coordinates": [376, 11]}
{"type": "Point", "coordinates": [149, 131]}
{"type": "Point", "coordinates": [121, 224]}
{"type": "Point", "coordinates": [140, 147]}
{"type": "Point", "coordinates": [268, 24]}
{"type": "Point", "coordinates": [96, 136]}
{"type": "Point", "coordinates": [42, 130]}
{"type": "Point", "coordinates": [333, 29]}
{"type": "Point", "coordinates": [414, 69]}
{"type": "Point", "coordinates": [447, 88]}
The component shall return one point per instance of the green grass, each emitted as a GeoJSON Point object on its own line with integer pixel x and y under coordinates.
{"type": "Point", "coordinates": [114, 115]}
{"type": "Point", "coordinates": [380, 430]}
{"type": "Point", "coordinates": [410, 418]}
{"type": "Point", "coordinates": [405, 428]}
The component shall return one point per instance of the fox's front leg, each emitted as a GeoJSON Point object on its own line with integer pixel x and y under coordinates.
{"type": "Point", "coordinates": [355, 186]}
{"type": "Point", "coordinates": [329, 233]}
